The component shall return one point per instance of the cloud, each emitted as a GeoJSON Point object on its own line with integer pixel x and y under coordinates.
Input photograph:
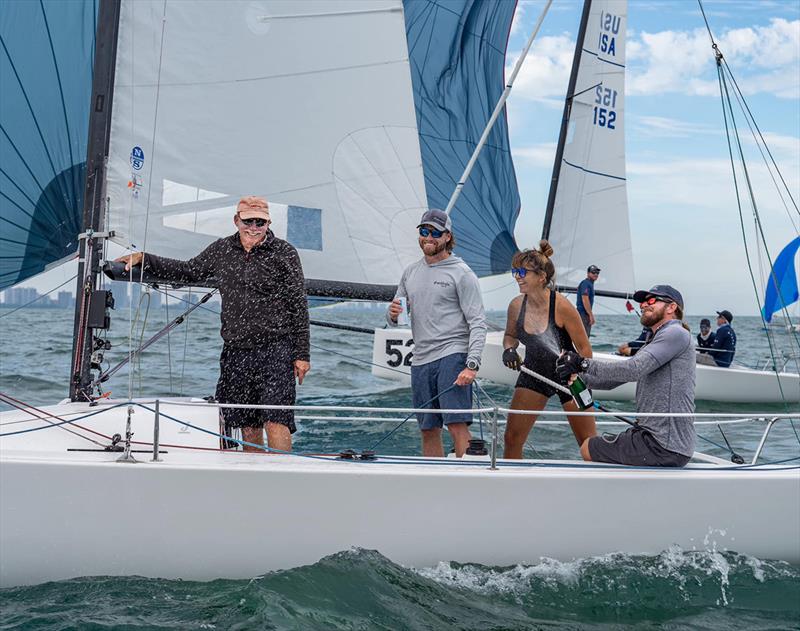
{"type": "Point", "coordinates": [538, 155]}
{"type": "Point", "coordinates": [545, 72]}
{"type": "Point", "coordinates": [764, 59]}
{"type": "Point", "coordinates": [663, 127]}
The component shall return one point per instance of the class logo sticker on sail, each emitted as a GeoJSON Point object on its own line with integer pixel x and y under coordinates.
{"type": "Point", "coordinates": [137, 158]}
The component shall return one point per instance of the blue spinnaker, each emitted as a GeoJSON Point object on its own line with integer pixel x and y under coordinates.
{"type": "Point", "coordinates": [457, 53]}
{"type": "Point", "coordinates": [46, 77]}
{"type": "Point", "coordinates": [782, 282]}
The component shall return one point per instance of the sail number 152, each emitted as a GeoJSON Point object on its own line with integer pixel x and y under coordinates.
{"type": "Point", "coordinates": [605, 116]}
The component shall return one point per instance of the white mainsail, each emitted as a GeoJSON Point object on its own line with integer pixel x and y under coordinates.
{"type": "Point", "coordinates": [309, 104]}
{"type": "Point", "coordinates": [590, 215]}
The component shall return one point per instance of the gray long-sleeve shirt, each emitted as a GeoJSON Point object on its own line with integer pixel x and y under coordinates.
{"type": "Point", "coordinates": [445, 308]}
{"type": "Point", "coordinates": [664, 372]}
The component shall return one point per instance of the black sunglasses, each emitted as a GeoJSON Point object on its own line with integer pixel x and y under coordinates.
{"type": "Point", "coordinates": [254, 221]}
{"type": "Point", "coordinates": [425, 231]}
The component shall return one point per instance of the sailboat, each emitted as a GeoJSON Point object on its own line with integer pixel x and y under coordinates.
{"type": "Point", "coordinates": [328, 110]}
{"type": "Point", "coordinates": [586, 221]}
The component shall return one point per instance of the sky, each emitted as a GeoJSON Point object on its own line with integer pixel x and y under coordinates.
{"type": "Point", "coordinates": [684, 220]}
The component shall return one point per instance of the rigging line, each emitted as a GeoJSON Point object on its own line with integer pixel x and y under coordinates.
{"type": "Point", "coordinates": [403, 422]}
{"type": "Point", "coordinates": [60, 93]}
{"type": "Point", "coordinates": [169, 346]}
{"type": "Point", "coordinates": [756, 215]}
{"type": "Point", "coordinates": [755, 123]}
{"type": "Point", "coordinates": [356, 359]}
{"type": "Point", "coordinates": [69, 280]}
{"type": "Point", "coordinates": [750, 123]}
{"type": "Point", "coordinates": [35, 412]}
{"type": "Point", "coordinates": [725, 98]}
{"type": "Point", "coordinates": [759, 228]}
{"type": "Point", "coordinates": [150, 178]}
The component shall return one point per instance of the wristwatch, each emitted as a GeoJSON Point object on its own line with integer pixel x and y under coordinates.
{"type": "Point", "coordinates": [473, 365]}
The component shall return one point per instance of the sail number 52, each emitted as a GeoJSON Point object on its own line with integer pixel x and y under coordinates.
{"type": "Point", "coordinates": [399, 352]}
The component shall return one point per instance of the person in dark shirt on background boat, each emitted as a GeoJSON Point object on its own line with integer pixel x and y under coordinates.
{"type": "Point", "coordinates": [629, 349]}
{"type": "Point", "coordinates": [264, 320]}
{"type": "Point", "coordinates": [448, 324]}
{"type": "Point", "coordinates": [584, 300]}
{"type": "Point", "coordinates": [546, 323]}
{"type": "Point", "coordinates": [724, 347]}
{"type": "Point", "coordinates": [705, 341]}
{"type": "Point", "coordinates": [664, 372]}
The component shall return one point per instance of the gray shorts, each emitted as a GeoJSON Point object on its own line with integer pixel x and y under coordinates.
{"type": "Point", "coordinates": [635, 446]}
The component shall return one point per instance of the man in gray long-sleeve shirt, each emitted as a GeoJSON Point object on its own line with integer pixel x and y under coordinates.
{"type": "Point", "coordinates": [449, 328]}
{"type": "Point", "coordinates": [664, 369]}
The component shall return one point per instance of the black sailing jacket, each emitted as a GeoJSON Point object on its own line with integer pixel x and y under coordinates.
{"type": "Point", "coordinates": [263, 291]}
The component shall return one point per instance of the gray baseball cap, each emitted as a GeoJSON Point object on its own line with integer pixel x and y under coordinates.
{"type": "Point", "coordinates": [660, 291]}
{"type": "Point", "coordinates": [436, 218]}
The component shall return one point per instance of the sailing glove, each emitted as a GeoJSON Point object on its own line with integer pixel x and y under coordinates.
{"type": "Point", "coordinates": [512, 359]}
{"type": "Point", "coordinates": [570, 363]}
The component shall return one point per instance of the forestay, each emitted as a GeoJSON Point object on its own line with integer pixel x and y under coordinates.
{"type": "Point", "coordinates": [590, 215]}
{"type": "Point", "coordinates": [309, 104]}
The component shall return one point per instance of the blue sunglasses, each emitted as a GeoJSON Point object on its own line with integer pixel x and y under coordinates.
{"type": "Point", "coordinates": [436, 234]}
{"type": "Point", "coordinates": [521, 271]}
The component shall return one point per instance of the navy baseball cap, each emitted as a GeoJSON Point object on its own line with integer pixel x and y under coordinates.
{"type": "Point", "coordinates": [660, 291]}
{"type": "Point", "coordinates": [726, 314]}
{"type": "Point", "coordinates": [705, 322]}
{"type": "Point", "coordinates": [593, 269]}
{"type": "Point", "coordinates": [436, 218]}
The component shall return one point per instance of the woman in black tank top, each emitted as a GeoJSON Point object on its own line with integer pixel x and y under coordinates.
{"type": "Point", "coordinates": [546, 324]}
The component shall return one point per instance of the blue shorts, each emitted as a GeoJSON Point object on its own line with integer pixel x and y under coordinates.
{"type": "Point", "coordinates": [437, 376]}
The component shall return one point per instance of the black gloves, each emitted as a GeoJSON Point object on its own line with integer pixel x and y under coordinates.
{"type": "Point", "coordinates": [512, 359]}
{"type": "Point", "coordinates": [568, 364]}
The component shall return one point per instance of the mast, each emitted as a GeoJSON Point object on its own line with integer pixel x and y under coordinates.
{"type": "Point", "coordinates": [91, 244]}
{"type": "Point", "coordinates": [562, 136]}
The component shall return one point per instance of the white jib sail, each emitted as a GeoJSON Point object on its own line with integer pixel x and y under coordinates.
{"type": "Point", "coordinates": [308, 104]}
{"type": "Point", "coordinates": [590, 217]}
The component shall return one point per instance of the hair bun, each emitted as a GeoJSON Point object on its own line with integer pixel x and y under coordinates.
{"type": "Point", "coordinates": [545, 248]}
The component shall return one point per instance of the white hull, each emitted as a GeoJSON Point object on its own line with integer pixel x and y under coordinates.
{"type": "Point", "coordinates": [728, 385]}
{"type": "Point", "coordinates": [208, 514]}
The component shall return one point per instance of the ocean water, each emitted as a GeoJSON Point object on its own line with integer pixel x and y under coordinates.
{"type": "Point", "coordinates": [361, 589]}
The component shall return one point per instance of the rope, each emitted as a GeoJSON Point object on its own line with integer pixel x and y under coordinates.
{"type": "Point", "coordinates": [401, 423]}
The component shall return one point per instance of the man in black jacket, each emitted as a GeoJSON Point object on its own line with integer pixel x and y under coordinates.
{"type": "Point", "coordinates": [264, 320]}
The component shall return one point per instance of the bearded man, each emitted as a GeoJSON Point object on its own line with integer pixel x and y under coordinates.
{"type": "Point", "coordinates": [664, 372]}
{"type": "Point", "coordinates": [448, 325]}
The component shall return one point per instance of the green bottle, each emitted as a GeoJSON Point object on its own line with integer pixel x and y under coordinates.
{"type": "Point", "coordinates": [581, 394]}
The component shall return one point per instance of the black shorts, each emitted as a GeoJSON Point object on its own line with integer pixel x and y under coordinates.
{"type": "Point", "coordinates": [257, 376]}
{"type": "Point", "coordinates": [635, 446]}
{"type": "Point", "coordinates": [537, 385]}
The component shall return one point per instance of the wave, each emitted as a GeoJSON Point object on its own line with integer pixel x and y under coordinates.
{"type": "Point", "coordinates": [361, 589]}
